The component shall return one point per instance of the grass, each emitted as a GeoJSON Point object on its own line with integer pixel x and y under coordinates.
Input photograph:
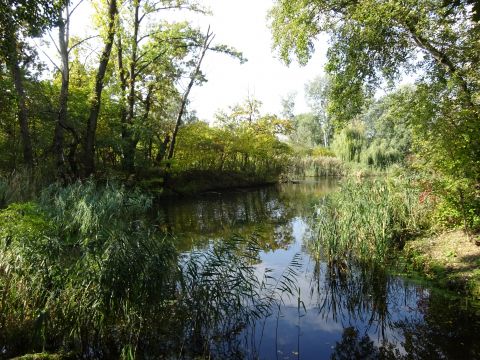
{"type": "Point", "coordinates": [317, 166]}
{"type": "Point", "coordinates": [451, 259]}
{"type": "Point", "coordinates": [368, 219]}
{"type": "Point", "coordinates": [83, 271]}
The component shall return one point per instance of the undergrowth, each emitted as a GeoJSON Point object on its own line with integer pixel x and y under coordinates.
{"type": "Point", "coordinates": [85, 271]}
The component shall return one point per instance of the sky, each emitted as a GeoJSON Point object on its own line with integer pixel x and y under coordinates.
{"type": "Point", "coordinates": [244, 26]}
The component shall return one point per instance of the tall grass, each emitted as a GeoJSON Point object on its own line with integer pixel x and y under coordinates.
{"type": "Point", "coordinates": [317, 166]}
{"type": "Point", "coordinates": [80, 265]}
{"type": "Point", "coordinates": [83, 270]}
{"type": "Point", "coordinates": [367, 219]}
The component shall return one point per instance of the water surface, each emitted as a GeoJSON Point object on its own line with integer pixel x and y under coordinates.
{"type": "Point", "coordinates": [338, 311]}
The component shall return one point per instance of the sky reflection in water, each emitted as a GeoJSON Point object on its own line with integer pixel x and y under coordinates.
{"type": "Point", "coordinates": [345, 311]}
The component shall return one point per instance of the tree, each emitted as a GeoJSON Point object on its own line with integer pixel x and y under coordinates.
{"type": "Point", "coordinates": [288, 105]}
{"type": "Point", "coordinates": [317, 95]}
{"type": "Point", "coordinates": [307, 130]}
{"type": "Point", "coordinates": [193, 78]}
{"type": "Point", "coordinates": [246, 112]}
{"type": "Point", "coordinates": [23, 18]}
{"type": "Point", "coordinates": [141, 43]}
{"type": "Point", "coordinates": [89, 152]}
{"type": "Point", "coordinates": [375, 42]}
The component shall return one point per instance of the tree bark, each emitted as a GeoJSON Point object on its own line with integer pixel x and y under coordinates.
{"type": "Point", "coordinates": [89, 156]}
{"type": "Point", "coordinates": [129, 143]}
{"type": "Point", "coordinates": [162, 150]}
{"type": "Point", "coordinates": [60, 126]}
{"type": "Point", "coordinates": [16, 73]}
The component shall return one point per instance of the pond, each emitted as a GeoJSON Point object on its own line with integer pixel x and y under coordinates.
{"type": "Point", "coordinates": [224, 275]}
{"type": "Point", "coordinates": [338, 311]}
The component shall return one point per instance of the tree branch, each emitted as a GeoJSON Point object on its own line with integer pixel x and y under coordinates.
{"type": "Point", "coordinates": [81, 42]}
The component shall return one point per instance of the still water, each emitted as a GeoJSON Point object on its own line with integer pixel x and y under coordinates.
{"type": "Point", "coordinates": [330, 311]}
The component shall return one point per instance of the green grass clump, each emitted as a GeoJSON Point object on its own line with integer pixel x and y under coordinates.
{"type": "Point", "coordinates": [78, 266]}
{"type": "Point", "coordinates": [367, 219]}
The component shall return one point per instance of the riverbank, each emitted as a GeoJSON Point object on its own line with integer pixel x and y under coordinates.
{"type": "Point", "coordinates": [450, 260]}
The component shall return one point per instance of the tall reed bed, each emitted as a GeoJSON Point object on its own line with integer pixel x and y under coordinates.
{"type": "Point", "coordinates": [317, 166]}
{"type": "Point", "coordinates": [83, 270]}
{"type": "Point", "coordinates": [78, 266]}
{"type": "Point", "coordinates": [368, 219]}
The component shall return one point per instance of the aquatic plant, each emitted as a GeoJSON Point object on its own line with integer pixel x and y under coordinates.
{"type": "Point", "coordinates": [368, 219]}
{"type": "Point", "coordinates": [85, 271]}
{"type": "Point", "coordinates": [317, 166]}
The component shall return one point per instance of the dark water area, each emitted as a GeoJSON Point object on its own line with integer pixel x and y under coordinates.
{"type": "Point", "coordinates": [337, 311]}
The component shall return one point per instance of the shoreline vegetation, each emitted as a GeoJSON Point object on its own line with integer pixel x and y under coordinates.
{"type": "Point", "coordinates": [88, 141]}
{"type": "Point", "coordinates": [80, 240]}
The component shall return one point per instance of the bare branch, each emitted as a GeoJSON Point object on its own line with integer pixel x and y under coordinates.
{"type": "Point", "coordinates": [74, 8]}
{"type": "Point", "coordinates": [81, 42]}
{"type": "Point", "coordinates": [54, 43]}
{"type": "Point", "coordinates": [48, 57]}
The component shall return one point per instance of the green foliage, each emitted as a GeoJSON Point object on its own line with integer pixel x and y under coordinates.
{"type": "Point", "coordinates": [322, 151]}
{"type": "Point", "coordinates": [374, 43]}
{"type": "Point", "coordinates": [317, 166]}
{"type": "Point", "coordinates": [350, 142]}
{"type": "Point", "coordinates": [307, 130]}
{"type": "Point", "coordinates": [238, 145]}
{"type": "Point", "coordinates": [367, 220]}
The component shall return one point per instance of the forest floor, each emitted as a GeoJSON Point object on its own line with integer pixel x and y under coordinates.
{"type": "Point", "coordinates": [451, 259]}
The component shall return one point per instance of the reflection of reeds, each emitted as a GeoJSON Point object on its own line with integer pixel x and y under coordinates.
{"type": "Point", "coordinates": [354, 292]}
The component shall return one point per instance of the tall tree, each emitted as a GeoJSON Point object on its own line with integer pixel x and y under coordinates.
{"type": "Point", "coordinates": [89, 152]}
{"type": "Point", "coordinates": [135, 60]}
{"type": "Point", "coordinates": [193, 78]}
{"type": "Point", "coordinates": [317, 96]}
{"type": "Point", "coordinates": [288, 105]}
{"type": "Point", "coordinates": [22, 18]}
{"type": "Point", "coordinates": [375, 42]}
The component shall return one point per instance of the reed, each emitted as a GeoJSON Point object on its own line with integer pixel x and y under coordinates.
{"type": "Point", "coordinates": [317, 166]}
{"type": "Point", "coordinates": [367, 219]}
{"type": "Point", "coordinates": [84, 271]}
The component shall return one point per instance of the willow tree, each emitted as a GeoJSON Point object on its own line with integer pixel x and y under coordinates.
{"type": "Point", "coordinates": [373, 42]}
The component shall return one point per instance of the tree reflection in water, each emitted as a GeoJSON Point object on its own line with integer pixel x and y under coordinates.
{"type": "Point", "coordinates": [385, 318]}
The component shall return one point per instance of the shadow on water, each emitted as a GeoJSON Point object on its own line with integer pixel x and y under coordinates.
{"type": "Point", "coordinates": [243, 286]}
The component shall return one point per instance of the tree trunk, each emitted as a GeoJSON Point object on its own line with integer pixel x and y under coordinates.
{"type": "Point", "coordinates": [130, 144]}
{"type": "Point", "coordinates": [16, 73]}
{"type": "Point", "coordinates": [206, 44]}
{"type": "Point", "coordinates": [163, 150]}
{"type": "Point", "coordinates": [60, 126]}
{"type": "Point", "coordinates": [89, 160]}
